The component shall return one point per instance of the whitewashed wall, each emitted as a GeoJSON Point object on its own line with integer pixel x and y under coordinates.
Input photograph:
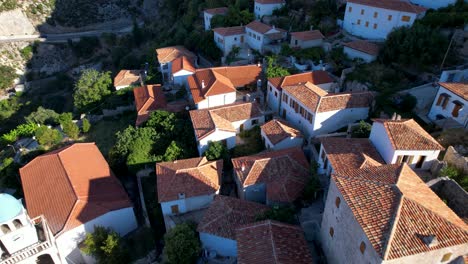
{"type": "Point", "coordinates": [265, 9]}
{"type": "Point", "coordinates": [181, 76]}
{"type": "Point", "coordinates": [272, 100]}
{"type": "Point", "coordinates": [447, 112]}
{"type": "Point", "coordinates": [207, 20]}
{"type": "Point", "coordinates": [326, 122]}
{"type": "Point", "coordinates": [381, 142]}
{"type": "Point", "coordinates": [254, 43]}
{"type": "Point", "coordinates": [229, 42]}
{"type": "Point", "coordinates": [218, 135]}
{"type": "Point", "coordinates": [304, 44]}
{"type": "Point", "coordinates": [353, 54]}
{"type": "Point", "coordinates": [187, 204]}
{"type": "Point", "coordinates": [217, 100]}
{"type": "Point", "coordinates": [284, 144]}
{"type": "Point", "coordinates": [223, 246]}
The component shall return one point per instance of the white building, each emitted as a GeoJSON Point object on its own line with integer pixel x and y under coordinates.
{"type": "Point", "coordinates": [387, 214]}
{"type": "Point", "coordinates": [361, 49]}
{"type": "Point", "coordinates": [376, 19]}
{"type": "Point", "coordinates": [224, 123]}
{"type": "Point", "coordinates": [75, 190]}
{"type": "Point", "coordinates": [314, 111]}
{"type": "Point", "coordinates": [22, 239]}
{"type": "Point", "coordinates": [272, 177]}
{"type": "Point", "coordinates": [457, 75]}
{"type": "Point", "coordinates": [306, 39]}
{"type": "Point", "coordinates": [434, 4]}
{"type": "Point", "coordinates": [450, 104]}
{"type": "Point", "coordinates": [208, 14]}
{"type": "Point", "coordinates": [218, 227]}
{"type": "Point", "coordinates": [404, 141]}
{"type": "Point", "coordinates": [187, 185]}
{"type": "Point", "coordinates": [262, 37]}
{"type": "Point", "coordinates": [277, 134]}
{"type": "Point", "coordinates": [211, 87]}
{"type": "Point", "coordinates": [227, 38]}
{"type": "Point", "coordinates": [127, 78]}
{"type": "Point", "coordinates": [181, 69]}
{"type": "Point", "coordinates": [266, 7]}
{"type": "Point", "coordinates": [166, 57]}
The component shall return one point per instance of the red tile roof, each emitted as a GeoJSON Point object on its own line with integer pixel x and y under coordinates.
{"type": "Point", "coordinates": [318, 100]}
{"type": "Point", "coordinates": [314, 77]}
{"type": "Point", "coordinates": [169, 54]}
{"type": "Point", "coordinates": [182, 63]}
{"type": "Point", "coordinates": [147, 99]}
{"type": "Point", "coordinates": [217, 11]}
{"type": "Point", "coordinates": [230, 31]}
{"type": "Point", "coordinates": [396, 209]}
{"type": "Point", "coordinates": [460, 89]}
{"type": "Point", "coordinates": [272, 242]}
{"type": "Point", "coordinates": [192, 177]}
{"type": "Point", "coordinates": [397, 5]}
{"type": "Point", "coordinates": [262, 28]}
{"type": "Point", "coordinates": [221, 80]}
{"type": "Point", "coordinates": [307, 35]}
{"type": "Point", "coordinates": [207, 121]}
{"type": "Point", "coordinates": [406, 134]}
{"type": "Point", "coordinates": [225, 214]}
{"type": "Point", "coordinates": [276, 131]}
{"type": "Point", "coordinates": [71, 186]}
{"type": "Point", "coordinates": [127, 78]}
{"type": "Point", "coordinates": [284, 172]}
{"type": "Point", "coordinates": [349, 154]}
{"type": "Point", "coordinates": [266, 2]}
{"type": "Point", "coordinates": [363, 46]}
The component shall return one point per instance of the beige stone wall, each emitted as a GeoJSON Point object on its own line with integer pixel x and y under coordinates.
{"type": "Point", "coordinates": [452, 157]}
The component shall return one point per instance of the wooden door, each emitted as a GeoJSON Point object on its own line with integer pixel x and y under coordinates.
{"type": "Point", "coordinates": [175, 209]}
{"type": "Point", "coordinates": [420, 162]}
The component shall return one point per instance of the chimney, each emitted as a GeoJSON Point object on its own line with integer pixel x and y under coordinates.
{"type": "Point", "coordinates": [430, 240]}
{"type": "Point", "coordinates": [273, 26]}
{"type": "Point", "coordinates": [203, 84]}
{"type": "Point", "coordinates": [311, 27]}
{"type": "Point", "coordinates": [181, 195]}
{"type": "Point", "coordinates": [175, 161]}
{"type": "Point", "coordinates": [259, 64]}
{"type": "Point", "coordinates": [398, 117]}
{"type": "Point", "coordinates": [394, 116]}
{"type": "Point", "coordinates": [243, 167]}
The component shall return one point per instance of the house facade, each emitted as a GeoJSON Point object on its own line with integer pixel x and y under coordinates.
{"type": "Point", "coordinates": [361, 49]}
{"type": "Point", "coordinates": [272, 177]}
{"type": "Point", "coordinates": [208, 14]}
{"type": "Point", "coordinates": [229, 37]}
{"type": "Point", "coordinates": [127, 78]}
{"type": "Point", "coordinates": [387, 214]}
{"type": "Point", "coordinates": [266, 7]}
{"type": "Point", "coordinates": [77, 183]}
{"type": "Point", "coordinates": [376, 19]}
{"type": "Point", "coordinates": [181, 69]}
{"type": "Point", "coordinates": [224, 123]}
{"type": "Point", "coordinates": [277, 134]}
{"type": "Point", "coordinates": [187, 185]}
{"type": "Point", "coordinates": [148, 98]}
{"type": "Point", "coordinates": [259, 35]}
{"type": "Point", "coordinates": [306, 39]}
{"type": "Point", "coordinates": [404, 141]}
{"type": "Point", "coordinates": [218, 227]}
{"type": "Point", "coordinates": [451, 103]}
{"type": "Point", "coordinates": [166, 57]}
{"type": "Point", "coordinates": [212, 87]}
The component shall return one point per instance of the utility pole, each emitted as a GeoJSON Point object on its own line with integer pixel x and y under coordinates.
{"type": "Point", "coordinates": [446, 52]}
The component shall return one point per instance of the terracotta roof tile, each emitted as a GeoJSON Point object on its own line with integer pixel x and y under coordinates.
{"type": "Point", "coordinates": [206, 121]}
{"type": "Point", "coordinates": [262, 28]}
{"type": "Point", "coordinates": [285, 173]}
{"type": "Point", "coordinates": [230, 31]}
{"type": "Point", "coordinates": [71, 186]}
{"type": "Point", "coordinates": [364, 46]}
{"type": "Point", "coordinates": [277, 131]}
{"type": "Point", "coordinates": [169, 54]}
{"type": "Point", "coordinates": [314, 77]}
{"type": "Point", "coordinates": [221, 80]}
{"type": "Point", "coordinates": [217, 11]}
{"type": "Point", "coordinates": [395, 209]}
{"type": "Point", "coordinates": [265, 2]}
{"type": "Point", "coordinates": [337, 101]}
{"type": "Point", "coordinates": [272, 242]}
{"type": "Point", "coordinates": [397, 5]}
{"type": "Point", "coordinates": [182, 63]}
{"type": "Point", "coordinates": [127, 78]}
{"type": "Point", "coordinates": [147, 99]}
{"type": "Point", "coordinates": [308, 35]}
{"type": "Point", "coordinates": [306, 93]}
{"type": "Point", "coordinates": [406, 134]}
{"type": "Point", "coordinates": [192, 177]}
{"type": "Point", "coordinates": [460, 89]}
{"type": "Point", "coordinates": [225, 214]}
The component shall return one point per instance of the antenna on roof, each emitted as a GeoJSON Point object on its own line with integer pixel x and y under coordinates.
{"type": "Point", "coordinates": [203, 84]}
{"type": "Point", "coordinates": [394, 116]}
{"type": "Point", "coordinates": [398, 117]}
{"type": "Point", "coordinates": [243, 167]}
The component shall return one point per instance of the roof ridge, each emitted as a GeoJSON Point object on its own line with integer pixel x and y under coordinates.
{"type": "Point", "coordinates": [395, 219]}
{"type": "Point", "coordinates": [272, 240]}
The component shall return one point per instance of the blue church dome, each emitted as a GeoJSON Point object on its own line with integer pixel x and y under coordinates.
{"type": "Point", "coordinates": [10, 207]}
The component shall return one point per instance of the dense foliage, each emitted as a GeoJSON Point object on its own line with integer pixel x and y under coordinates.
{"type": "Point", "coordinates": [7, 76]}
{"type": "Point", "coordinates": [285, 214]}
{"type": "Point", "coordinates": [86, 125]}
{"type": "Point", "coordinates": [24, 130]}
{"type": "Point", "coordinates": [181, 244]}
{"type": "Point", "coordinates": [91, 88]}
{"type": "Point", "coordinates": [7, 5]}
{"type": "Point", "coordinates": [452, 16]}
{"type": "Point", "coordinates": [43, 116]}
{"type": "Point", "coordinates": [362, 130]}
{"type": "Point", "coordinates": [275, 70]}
{"type": "Point", "coordinates": [234, 17]}
{"type": "Point", "coordinates": [68, 126]}
{"type": "Point", "coordinates": [106, 246]}
{"type": "Point", "coordinates": [457, 175]}
{"type": "Point", "coordinates": [48, 136]}
{"type": "Point", "coordinates": [216, 150]}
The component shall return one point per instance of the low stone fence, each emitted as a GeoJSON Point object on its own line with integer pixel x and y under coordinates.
{"type": "Point", "coordinates": [453, 158]}
{"type": "Point", "coordinates": [109, 112]}
{"type": "Point", "coordinates": [452, 193]}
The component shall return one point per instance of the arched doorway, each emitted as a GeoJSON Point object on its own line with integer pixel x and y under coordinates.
{"type": "Point", "coordinates": [45, 259]}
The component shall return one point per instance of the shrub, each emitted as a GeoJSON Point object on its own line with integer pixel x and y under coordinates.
{"type": "Point", "coordinates": [86, 125]}
{"type": "Point", "coordinates": [27, 52]}
{"type": "Point", "coordinates": [91, 88]}
{"type": "Point", "coordinates": [362, 130]}
{"type": "Point", "coordinates": [48, 136]}
{"type": "Point", "coordinates": [181, 244]}
{"type": "Point", "coordinates": [216, 150]}
{"type": "Point", "coordinates": [43, 116]}
{"type": "Point", "coordinates": [7, 76]}
{"type": "Point", "coordinates": [285, 214]}
{"type": "Point", "coordinates": [106, 246]}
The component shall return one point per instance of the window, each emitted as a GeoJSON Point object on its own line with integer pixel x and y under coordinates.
{"type": "Point", "coordinates": [362, 11]}
{"type": "Point", "coordinates": [443, 100]}
{"type": "Point", "coordinates": [310, 117]}
{"type": "Point", "coordinates": [359, 22]}
{"type": "Point", "coordinates": [420, 162]}
{"type": "Point", "coordinates": [337, 202]}
{"type": "Point", "coordinates": [324, 155]}
{"type": "Point", "coordinates": [362, 247]}
{"type": "Point", "coordinates": [456, 109]}
{"type": "Point", "coordinates": [254, 122]}
{"type": "Point", "coordinates": [376, 14]}
{"type": "Point", "coordinates": [405, 159]}
{"type": "Point", "coordinates": [165, 66]}
{"type": "Point", "coordinates": [332, 231]}
{"type": "Point", "coordinates": [17, 223]}
{"type": "Point", "coordinates": [285, 98]}
{"type": "Point", "coordinates": [295, 42]}
{"type": "Point", "coordinates": [258, 37]}
{"type": "Point", "coordinates": [270, 88]}
{"type": "Point", "coordinates": [175, 209]}
{"type": "Point", "coordinates": [276, 94]}
{"type": "Point", "coordinates": [375, 26]}
{"type": "Point", "coordinates": [389, 17]}
{"type": "Point", "coordinates": [6, 229]}
{"type": "Point", "coordinates": [350, 9]}
{"type": "Point", "coordinates": [405, 18]}
{"type": "Point", "coordinates": [220, 40]}
{"type": "Point", "coordinates": [446, 257]}
{"type": "Point", "coordinates": [235, 39]}
{"type": "Point", "coordinates": [367, 23]}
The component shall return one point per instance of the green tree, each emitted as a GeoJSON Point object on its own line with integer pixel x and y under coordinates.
{"type": "Point", "coordinates": [216, 150]}
{"type": "Point", "coordinates": [362, 130]}
{"type": "Point", "coordinates": [69, 127]}
{"type": "Point", "coordinates": [285, 214]}
{"type": "Point", "coordinates": [86, 125]}
{"type": "Point", "coordinates": [106, 246]}
{"type": "Point", "coordinates": [43, 116]}
{"type": "Point", "coordinates": [7, 76]}
{"type": "Point", "coordinates": [91, 88]}
{"type": "Point", "coordinates": [274, 70]}
{"type": "Point", "coordinates": [181, 244]}
{"type": "Point", "coordinates": [137, 34]}
{"type": "Point", "coordinates": [173, 152]}
{"type": "Point", "coordinates": [48, 136]}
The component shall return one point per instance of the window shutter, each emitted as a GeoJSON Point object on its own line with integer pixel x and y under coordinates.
{"type": "Point", "coordinates": [444, 104]}
{"type": "Point", "coordinates": [456, 110]}
{"type": "Point", "coordinates": [410, 160]}
{"type": "Point", "coordinates": [440, 99]}
{"type": "Point", "coordinates": [399, 159]}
